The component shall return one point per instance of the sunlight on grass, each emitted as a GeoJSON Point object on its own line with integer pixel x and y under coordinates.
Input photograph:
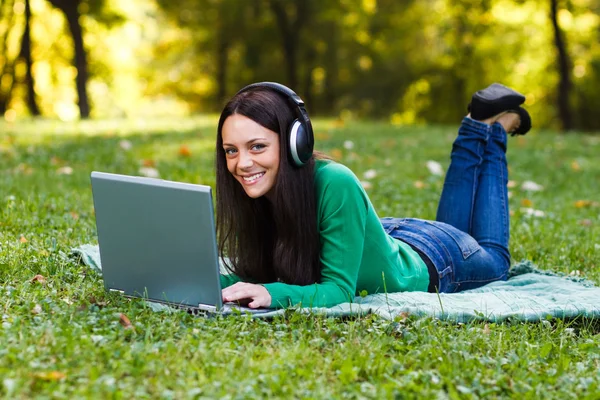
{"type": "Point", "coordinates": [63, 336]}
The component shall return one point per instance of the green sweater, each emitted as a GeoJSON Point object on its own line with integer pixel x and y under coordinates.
{"type": "Point", "coordinates": [356, 253]}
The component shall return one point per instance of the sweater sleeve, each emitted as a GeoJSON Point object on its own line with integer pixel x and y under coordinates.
{"type": "Point", "coordinates": [342, 212]}
{"type": "Point", "coordinates": [228, 280]}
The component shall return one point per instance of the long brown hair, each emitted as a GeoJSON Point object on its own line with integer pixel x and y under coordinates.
{"type": "Point", "coordinates": [268, 241]}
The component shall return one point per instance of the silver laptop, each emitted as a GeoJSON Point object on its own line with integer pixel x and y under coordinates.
{"type": "Point", "coordinates": [157, 241]}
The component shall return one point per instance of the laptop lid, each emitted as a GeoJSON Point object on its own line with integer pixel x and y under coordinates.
{"type": "Point", "coordinates": [157, 239]}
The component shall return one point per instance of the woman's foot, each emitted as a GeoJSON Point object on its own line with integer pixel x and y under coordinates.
{"type": "Point", "coordinates": [510, 121]}
{"type": "Point", "coordinates": [515, 122]}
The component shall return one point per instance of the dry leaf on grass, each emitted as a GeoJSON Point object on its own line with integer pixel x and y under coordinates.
{"type": "Point", "coordinates": [36, 309]}
{"type": "Point", "coordinates": [531, 186]}
{"type": "Point", "coordinates": [370, 174]}
{"type": "Point", "coordinates": [526, 203]}
{"type": "Point", "coordinates": [50, 376]}
{"type": "Point", "coordinates": [435, 168]}
{"type": "Point", "coordinates": [125, 322]}
{"type": "Point", "coordinates": [125, 145]}
{"type": "Point", "coordinates": [486, 329]}
{"type": "Point", "coordinates": [23, 239]}
{"type": "Point", "coordinates": [39, 279]}
{"type": "Point", "coordinates": [149, 172]}
{"type": "Point", "coordinates": [185, 151]}
{"type": "Point", "coordinates": [65, 170]}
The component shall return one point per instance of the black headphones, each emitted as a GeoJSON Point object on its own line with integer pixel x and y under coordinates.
{"type": "Point", "coordinates": [301, 140]}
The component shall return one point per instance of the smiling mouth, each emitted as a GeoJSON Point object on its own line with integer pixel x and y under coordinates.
{"type": "Point", "coordinates": [253, 178]}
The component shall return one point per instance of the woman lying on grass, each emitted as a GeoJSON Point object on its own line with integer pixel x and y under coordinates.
{"type": "Point", "coordinates": [299, 229]}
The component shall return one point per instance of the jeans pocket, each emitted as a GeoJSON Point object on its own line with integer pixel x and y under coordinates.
{"type": "Point", "coordinates": [465, 242]}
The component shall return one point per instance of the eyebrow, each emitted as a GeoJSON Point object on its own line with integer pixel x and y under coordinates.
{"type": "Point", "coordinates": [248, 142]}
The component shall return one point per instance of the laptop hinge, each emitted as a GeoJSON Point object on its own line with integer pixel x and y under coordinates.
{"type": "Point", "coordinates": [117, 291]}
{"type": "Point", "coordinates": [206, 307]}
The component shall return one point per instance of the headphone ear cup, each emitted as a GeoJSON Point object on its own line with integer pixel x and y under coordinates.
{"type": "Point", "coordinates": [300, 143]}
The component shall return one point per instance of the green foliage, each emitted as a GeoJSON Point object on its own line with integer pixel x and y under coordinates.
{"type": "Point", "coordinates": [403, 61]}
{"type": "Point", "coordinates": [64, 337]}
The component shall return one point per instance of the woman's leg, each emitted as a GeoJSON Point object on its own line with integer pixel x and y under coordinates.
{"type": "Point", "coordinates": [457, 201]}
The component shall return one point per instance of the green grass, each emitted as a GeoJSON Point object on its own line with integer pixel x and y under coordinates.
{"type": "Point", "coordinates": [63, 338]}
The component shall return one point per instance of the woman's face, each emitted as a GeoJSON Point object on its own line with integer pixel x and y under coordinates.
{"type": "Point", "coordinates": [252, 154]}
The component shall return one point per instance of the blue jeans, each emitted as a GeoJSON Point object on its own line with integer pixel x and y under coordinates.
{"type": "Point", "coordinates": [468, 242]}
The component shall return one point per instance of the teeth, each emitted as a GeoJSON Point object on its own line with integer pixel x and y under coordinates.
{"type": "Point", "coordinates": [253, 177]}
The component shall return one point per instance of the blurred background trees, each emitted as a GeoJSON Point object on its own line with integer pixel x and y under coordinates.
{"type": "Point", "coordinates": [405, 61]}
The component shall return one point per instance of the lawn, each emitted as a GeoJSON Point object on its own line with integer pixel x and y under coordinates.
{"type": "Point", "coordinates": [62, 336]}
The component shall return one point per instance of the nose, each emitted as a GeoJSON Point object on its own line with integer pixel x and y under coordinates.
{"type": "Point", "coordinates": [245, 160]}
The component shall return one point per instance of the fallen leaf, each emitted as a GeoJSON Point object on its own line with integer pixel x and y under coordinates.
{"type": "Point", "coordinates": [93, 300]}
{"type": "Point", "coordinates": [435, 168]}
{"type": "Point", "coordinates": [366, 185]}
{"type": "Point", "coordinates": [50, 376]}
{"type": "Point", "coordinates": [149, 172]}
{"type": "Point", "coordinates": [336, 154]}
{"type": "Point", "coordinates": [185, 151]}
{"type": "Point", "coordinates": [148, 162]}
{"type": "Point", "coordinates": [526, 203]}
{"type": "Point", "coordinates": [339, 123]}
{"type": "Point", "coordinates": [532, 212]}
{"type": "Point", "coordinates": [583, 203]}
{"type": "Point", "coordinates": [74, 215]}
{"type": "Point", "coordinates": [575, 166]}
{"type": "Point", "coordinates": [55, 161]}
{"type": "Point", "coordinates": [511, 184]}
{"type": "Point", "coordinates": [370, 174]}
{"type": "Point", "coordinates": [65, 170]}
{"type": "Point", "coordinates": [125, 322]}
{"type": "Point", "coordinates": [38, 278]}
{"type": "Point", "coordinates": [486, 329]}
{"type": "Point", "coordinates": [36, 309]}
{"type": "Point", "coordinates": [125, 145]}
{"type": "Point", "coordinates": [419, 184]}
{"type": "Point", "coordinates": [23, 239]}
{"type": "Point", "coordinates": [531, 186]}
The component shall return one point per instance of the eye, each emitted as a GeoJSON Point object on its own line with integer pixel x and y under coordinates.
{"type": "Point", "coordinates": [258, 146]}
{"type": "Point", "coordinates": [230, 151]}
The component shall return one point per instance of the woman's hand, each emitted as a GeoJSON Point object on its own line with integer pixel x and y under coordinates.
{"type": "Point", "coordinates": [254, 295]}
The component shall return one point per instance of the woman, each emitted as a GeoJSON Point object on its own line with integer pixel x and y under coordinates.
{"type": "Point", "coordinates": [299, 229]}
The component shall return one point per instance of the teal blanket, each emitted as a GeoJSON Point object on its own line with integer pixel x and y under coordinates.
{"type": "Point", "coordinates": [530, 294]}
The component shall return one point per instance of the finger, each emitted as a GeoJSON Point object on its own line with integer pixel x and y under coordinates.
{"type": "Point", "coordinates": [240, 294]}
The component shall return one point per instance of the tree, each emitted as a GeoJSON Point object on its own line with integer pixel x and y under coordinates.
{"type": "Point", "coordinates": [26, 55]}
{"type": "Point", "coordinates": [290, 23]}
{"type": "Point", "coordinates": [564, 86]}
{"type": "Point", "coordinates": [7, 73]}
{"type": "Point", "coordinates": [70, 9]}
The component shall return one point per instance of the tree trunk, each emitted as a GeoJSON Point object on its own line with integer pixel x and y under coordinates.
{"type": "Point", "coordinates": [8, 67]}
{"type": "Point", "coordinates": [70, 9]}
{"type": "Point", "coordinates": [564, 86]}
{"type": "Point", "coordinates": [26, 55]}
{"type": "Point", "coordinates": [222, 55]}
{"type": "Point", "coordinates": [290, 35]}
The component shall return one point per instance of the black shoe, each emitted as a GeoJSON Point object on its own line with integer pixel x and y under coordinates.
{"type": "Point", "coordinates": [493, 100]}
{"type": "Point", "coordinates": [525, 124]}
